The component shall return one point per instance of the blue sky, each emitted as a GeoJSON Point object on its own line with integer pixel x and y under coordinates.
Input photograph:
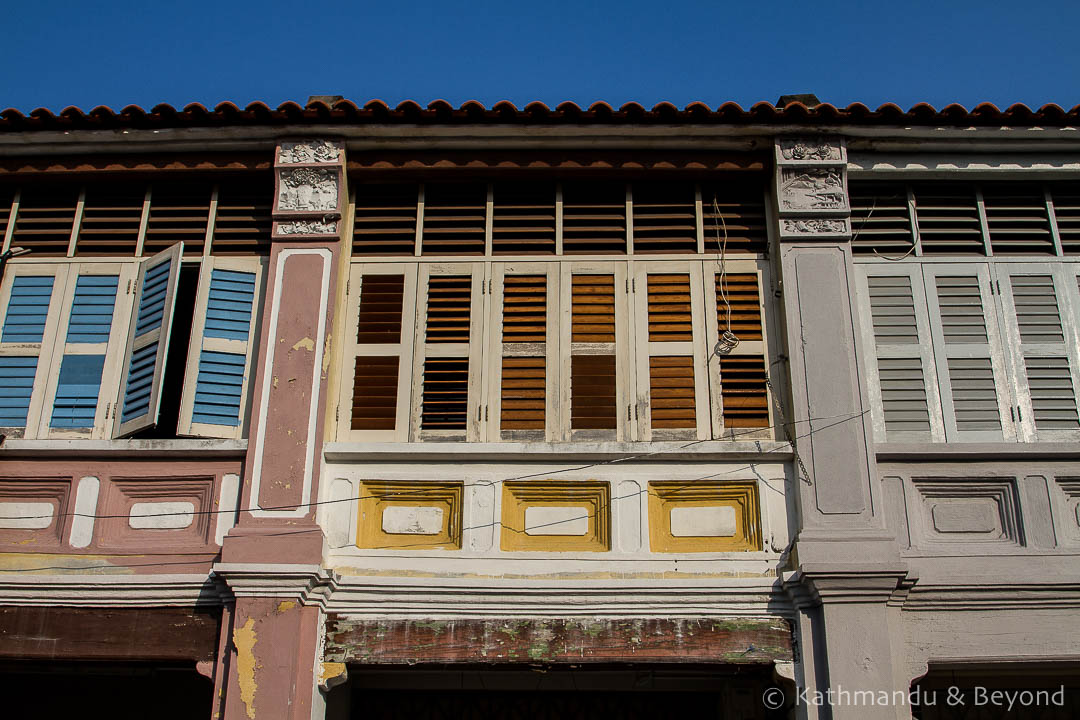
{"type": "Point", "coordinates": [86, 54]}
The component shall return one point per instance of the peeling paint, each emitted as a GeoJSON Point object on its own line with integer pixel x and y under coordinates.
{"type": "Point", "coordinates": [305, 343]}
{"type": "Point", "coordinates": [244, 640]}
{"type": "Point", "coordinates": [285, 606]}
{"type": "Point", "coordinates": [49, 564]}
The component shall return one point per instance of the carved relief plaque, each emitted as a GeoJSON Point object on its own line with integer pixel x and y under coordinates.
{"type": "Point", "coordinates": [308, 190]}
{"type": "Point", "coordinates": [803, 189]}
{"type": "Point", "coordinates": [817, 151]}
{"type": "Point", "coordinates": [308, 151]}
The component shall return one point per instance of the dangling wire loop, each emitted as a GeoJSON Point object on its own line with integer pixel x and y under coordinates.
{"type": "Point", "coordinates": [728, 339]}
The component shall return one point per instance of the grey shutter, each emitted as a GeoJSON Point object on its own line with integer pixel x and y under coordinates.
{"type": "Point", "coordinates": [148, 342]}
{"type": "Point", "coordinates": [896, 334]}
{"type": "Point", "coordinates": [1043, 352]}
{"type": "Point", "coordinates": [975, 397]}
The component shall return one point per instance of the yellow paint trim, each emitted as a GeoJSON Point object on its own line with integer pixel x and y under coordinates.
{"type": "Point", "coordinates": [244, 639]}
{"type": "Point", "coordinates": [594, 498]}
{"type": "Point", "coordinates": [667, 495]}
{"type": "Point", "coordinates": [377, 495]}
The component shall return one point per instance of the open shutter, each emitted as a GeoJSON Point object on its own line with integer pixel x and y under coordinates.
{"type": "Point", "coordinates": [1041, 333]}
{"type": "Point", "coordinates": [378, 352]}
{"type": "Point", "coordinates": [975, 398]}
{"type": "Point", "coordinates": [522, 366]}
{"type": "Point", "coordinates": [224, 334]}
{"type": "Point", "coordinates": [740, 395]}
{"type": "Point", "coordinates": [596, 401]}
{"type": "Point", "coordinates": [448, 341]}
{"type": "Point", "coordinates": [148, 342]}
{"type": "Point", "coordinates": [81, 393]}
{"type": "Point", "coordinates": [896, 334]}
{"type": "Point", "coordinates": [31, 299]}
{"type": "Point", "coordinates": [672, 384]}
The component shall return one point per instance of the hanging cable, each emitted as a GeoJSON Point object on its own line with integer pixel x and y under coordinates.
{"type": "Point", "coordinates": [728, 340]}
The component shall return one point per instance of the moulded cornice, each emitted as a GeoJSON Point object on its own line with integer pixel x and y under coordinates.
{"type": "Point", "coordinates": [111, 590]}
{"type": "Point", "coordinates": [305, 584]}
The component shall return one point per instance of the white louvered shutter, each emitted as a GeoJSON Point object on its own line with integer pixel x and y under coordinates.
{"type": "Point", "coordinates": [896, 333]}
{"type": "Point", "coordinates": [975, 396]}
{"type": "Point", "coordinates": [224, 334]}
{"type": "Point", "coordinates": [1042, 342]}
{"type": "Point", "coordinates": [148, 342]}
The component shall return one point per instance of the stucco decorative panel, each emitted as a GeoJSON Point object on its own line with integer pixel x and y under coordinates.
{"type": "Point", "coordinates": [810, 150]}
{"type": "Point", "coordinates": [969, 511]}
{"type": "Point", "coordinates": [309, 151]}
{"type": "Point", "coordinates": [815, 227]}
{"type": "Point", "coordinates": [1069, 496]}
{"type": "Point", "coordinates": [307, 227]}
{"type": "Point", "coordinates": [556, 516]}
{"type": "Point", "coordinates": [169, 511]}
{"type": "Point", "coordinates": [309, 192]}
{"type": "Point", "coordinates": [33, 510]}
{"type": "Point", "coordinates": [809, 189]}
{"type": "Point", "coordinates": [397, 515]}
{"type": "Point", "coordinates": [704, 517]}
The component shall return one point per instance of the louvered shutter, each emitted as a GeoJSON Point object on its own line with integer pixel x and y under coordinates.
{"type": "Point", "coordinates": [450, 302]}
{"type": "Point", "coordinates": [948, 219]}
{"type": "Point", "coordinates": [1042, 342]}
{"type": "Point", "coordinates": [31, 300]}
{"type": "Point", "coordinates": [740, 396]}
{"type": "Point", "coordinates": [975, 399]}
{"type": "Point", "coordinates": [596, 401]}
{"type": "Point", "coordinates": [148, 342]}
{"type": "Point", "coordinates": [522, 390]}
{"type": "Point", "coordinates": [81, 393]}
{"type": "Point", "coordinates": [224, 334]}
{"type": "Point", "coordinates": [672, 383]}
{"type": "Point", "coordinates": [896, 335]}
{"type": "Point", "coordinates": [375, 404]}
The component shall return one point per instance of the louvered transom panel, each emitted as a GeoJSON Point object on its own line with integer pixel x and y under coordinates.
{"type": "Point", "coordinates": [16, 386]}
{"type": "Point", "coordinates": [1036, 309]}
{"type": "Point", "coordinates": [974, 394]}
{"type": "Point", "coordinates": [455, 218]}
{"type": "Point", "coordinates": [445, 398]}
{"type": "Point", "coordinates": [28, 308]}
{"type": "Point", "coordinates": [92, 309]}
{"type": "Point", "coordinates": [592, 309]}
{"type": "Point", "coordinates": [671, 392]}
{"type": "Point", "coordinates": [112, 214]}
{"type": "Point", "coordinates": [179, 212]}
{"type": "Point", "coordinates": [592, 392]}
{"type": "Point", "coordinates": [380, 313]}
{"type": "Point", "coordinates": [229, 304]}
{"type": "Point", "coordinates": [449, 308]}
{"type": "Point", "coordinates": [948, 218]}
{"type": "Point", "coordinates": [665, 218]}
{"type": "Point", "coordinates": [1053, 397]}
{"type": "Point", "coordinates": [219, 388]}
{"type": "Point", "coordinates": [523, 219]}
{"type": "Point", "coordinates": [669, 308]}
{"type": "Point", "coordinates": [735, 211]}
{"type": "Point", "coordinates": [960, 303]}
{"type": "Point", "coordinates": [740, 291]}
{"type": "Point", "coordinates": [45, 220]}
{"type": "Point", "coordinates": [140, 382]}
{"type": "Point", "coordinates": [375, 387]}
{"type": "Point", "coordinates": [594, 218]}
{"type": "Point", "coordinates": [152, 303]}
{"type": "Point", "coordinates": [1066, 197]}
{"type": "Point", "coordinates": [892, 308]}
{"type": "Point", "coordinates": [525, 309]}
{"type": "Point", "coordinates": [243, 222]}
{"type": "Point", "coordinates": [744, 394]}
{"type": "Point", "coordinates": [77, 391]}
{"type": "Point", "coordinates": [524, 393]}
{"type": "Point", "coordinates": [1017, 218]}
{"type": "Point", "coordinates": [903, 395]}
{"type": "Point", "coordinates": [880, 220]}
{"type": "Point", "coordinates": [385, 220]}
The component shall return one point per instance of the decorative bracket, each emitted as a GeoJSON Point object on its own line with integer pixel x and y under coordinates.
{"type": "Point", "coordinates": [309, 188]}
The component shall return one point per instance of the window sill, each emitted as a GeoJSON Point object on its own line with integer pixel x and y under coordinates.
{"type": "Point", "coordinates": [970, 452]}
{"type": "Point", "coordinates": [183, 447]}
{"type": "Point", "coordinates": [761, 450]}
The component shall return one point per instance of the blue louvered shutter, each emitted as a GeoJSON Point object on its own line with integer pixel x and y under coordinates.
{"type": "Point", "coordinates": [26, 337]}
{"type": "Point", "coordinates": [148, 342]}
{"type": "Point", "coordinates": [216, 385]}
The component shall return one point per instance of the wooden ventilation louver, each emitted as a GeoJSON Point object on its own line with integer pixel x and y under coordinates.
{"type": "Point", "coordinates": [594, 218]}
{"type": "Point", "coordinates": [1037, 313]}
{"type": "Point", "coordinates": [243, 222]}
{"type": "Point", "coordinates": [525, 309]}
{"type": "Point", "coordinates": [381, 302]}
{"type": "Point", "coordinates": [1053, 397]}
{"type": "Point", "coordinates": [903, 395]}
{"type": "Point", "coordinates": [385, 220]}
{"type": "Point", "coordinates": [948, 219]}
{"type": "Point", "coordinates": [524, 393]}
{"type": "Point", "coordinates": [449, 359]}
{"type": "Point", "coordinates": [892, 309]}
{"type": "Point", "coordinates": [672, 396]}
{"type": "Point", "coordinates": [880, 221]}
{"type": "Point", "coordinates": [593, 400]}
{"type": "Point", "coordinates": [974, 394]}
{"type": "Point", "coordinates": [449, 303]}
{"type": "Point", "coordinates": [179, 212]}
{"type": "Point", "coordinates": [1017, 219]}
{"type": "Point", "coordinates": [445, 402]}
{"type": "Point", "coordinates": [741, 292]}
{"type": "Point", "coordinates": [523, 219]}
{"type": "Point", "coordinates": [1066, 197]}
{"type": "Point", "coordinates": [522, 401]}
{"type": "Point", "coordinates": [455, 218]}
{"type": "Point", "coordinates": [112, 215]}
{"type": "Point", "coordinates": [45, 219]}
{"type": "Point", "coordinates": [960, 305]}
{"type": "Point", "coordinates": [669, 307]}
{"type": "Point", "coordinates": [735, 211]}
{"type": "Point", "coordinates": [7, 196]}
{"type": "Point", "coordinates": [744, 393]}
{"type": "Point", "coordinates": [375, 377]}
{"type": "Point", "coordinates": [665, 218]}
